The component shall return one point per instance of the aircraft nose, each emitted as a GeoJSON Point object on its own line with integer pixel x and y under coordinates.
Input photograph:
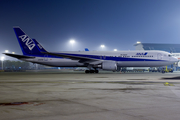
{"type": "Point", "coordinates": [175, 59]}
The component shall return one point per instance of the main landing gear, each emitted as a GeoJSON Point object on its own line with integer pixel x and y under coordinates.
{"type": "Point", "coordinates": [91, 71]}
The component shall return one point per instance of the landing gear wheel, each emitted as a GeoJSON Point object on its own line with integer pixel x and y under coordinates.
{"type": "Point", "coordinates": [96, 71]}
{"type": "Point", "coordinates": [91, 71]}
{"type": "Point", "coordinates": [86, 71]}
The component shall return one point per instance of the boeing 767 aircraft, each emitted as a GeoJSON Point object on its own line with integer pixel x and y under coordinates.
{"type": "Point", "coordinates": [106, 60]}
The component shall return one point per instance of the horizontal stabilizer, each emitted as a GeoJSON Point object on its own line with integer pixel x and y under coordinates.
{"type": "Point", "coordinates": [17, 56]}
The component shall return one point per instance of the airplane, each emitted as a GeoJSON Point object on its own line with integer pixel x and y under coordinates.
{"type": "Point", "coordinates": [93, 60]}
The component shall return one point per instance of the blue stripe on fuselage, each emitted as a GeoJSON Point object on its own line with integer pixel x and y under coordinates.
{"type": "Point", "coordinates": [110, 58]}
{"type": "Point", "coordinates": [99, 57]}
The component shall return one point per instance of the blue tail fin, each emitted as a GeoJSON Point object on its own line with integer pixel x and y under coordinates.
{"type": "Point", "coordinates": [27, 45]}
{"type": "Point", "coordinates": [39, 46]}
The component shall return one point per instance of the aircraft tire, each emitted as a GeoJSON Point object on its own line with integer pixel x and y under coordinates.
{"type": "Point", "coordinates": [87, 71]}
{"type": "Point", "coordinates": [91, 71]}
{"type": "Point", "coordinates": [96, 71]}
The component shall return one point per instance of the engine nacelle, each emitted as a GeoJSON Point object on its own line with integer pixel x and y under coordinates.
{"type": "Point", "coordinates": [109, 65]}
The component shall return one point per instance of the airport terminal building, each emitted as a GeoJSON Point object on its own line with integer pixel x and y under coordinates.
{"type": "Point", "coordinates": [171, 48]}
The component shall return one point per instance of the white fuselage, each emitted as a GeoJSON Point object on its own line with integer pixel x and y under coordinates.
{"type": "Point", "coordinates": [122, 58]}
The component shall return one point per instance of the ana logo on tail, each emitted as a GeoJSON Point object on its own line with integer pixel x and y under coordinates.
{"type": "Point", "coordinates": [29, 43]}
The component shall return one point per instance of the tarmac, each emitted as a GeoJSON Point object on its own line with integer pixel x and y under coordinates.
{"type": "Point", "coordinates": [69, 95]}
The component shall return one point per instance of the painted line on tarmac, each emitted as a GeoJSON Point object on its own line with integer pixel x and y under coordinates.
{"type": "Point", "coordinates": [168, 84]}
{"type": "Point", "coordinates": [174, 89]}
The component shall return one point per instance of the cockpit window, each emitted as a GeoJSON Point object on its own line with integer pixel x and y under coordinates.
{"type": "Point", "coordinates": [170, 55]}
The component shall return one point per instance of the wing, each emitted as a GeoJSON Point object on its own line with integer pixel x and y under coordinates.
{"type": "Point", "coordinates": [80, 57]}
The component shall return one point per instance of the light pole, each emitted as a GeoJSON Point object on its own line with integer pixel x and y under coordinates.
{"type": "Point", "coordinates": [72, 42]}
{"type": "Point", "coordinates": [2, 58]}
{"type": "Point", "coordinates": [102, 46]}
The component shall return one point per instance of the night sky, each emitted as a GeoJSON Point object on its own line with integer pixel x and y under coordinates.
{"type": "Point", "coordinates": [115, 23]}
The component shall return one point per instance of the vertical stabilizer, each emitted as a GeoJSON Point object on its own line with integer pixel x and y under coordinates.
{"type": "Point", "coordinates": [39, 46]}
{"type": "Point", "coordinates": [27, 45]}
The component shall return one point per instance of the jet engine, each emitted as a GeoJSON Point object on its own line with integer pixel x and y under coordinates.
{"type": "Point", "coordinates": [109, 65]}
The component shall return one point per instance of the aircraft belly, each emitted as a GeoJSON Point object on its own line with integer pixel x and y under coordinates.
{"type": "Point", "coordinates": [143, 63]}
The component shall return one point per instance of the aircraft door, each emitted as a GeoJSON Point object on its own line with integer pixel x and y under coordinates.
{"type": "Point", "coordinates": [159, 56]}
